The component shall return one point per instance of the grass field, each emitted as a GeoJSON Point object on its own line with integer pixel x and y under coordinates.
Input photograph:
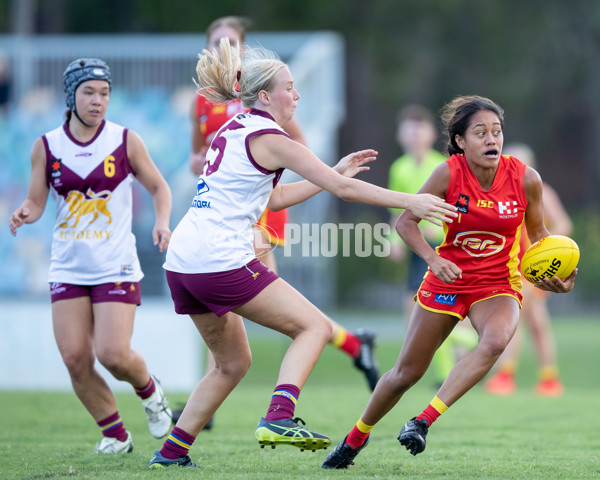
{"type": "Point", "coordinates": [50, 435]}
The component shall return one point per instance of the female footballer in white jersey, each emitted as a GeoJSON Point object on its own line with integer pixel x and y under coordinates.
{"type": "Point", "coordinates": [88, 165]}
{"type": "Point", "coordinates": [211, 265]}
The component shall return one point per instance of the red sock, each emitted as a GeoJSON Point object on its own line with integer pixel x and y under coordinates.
{"type": "Point", "coordinates": [283, 402]}
{"type": "Point", "coordinates": [147, 390]}
{"type": "Point", "coordinates": [356, 438]}
{"type": "Point", "coordinates": [112, 427]}
{"type": "Point", "coordinates": [430, 414]}
{"type": "Point", "coordinates": [350, 344]}
{"type": "Point", "coordinates": [177, 444]}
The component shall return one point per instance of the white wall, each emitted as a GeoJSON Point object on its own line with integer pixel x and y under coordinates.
{"type": "Point", "coordinates": [29, 358]}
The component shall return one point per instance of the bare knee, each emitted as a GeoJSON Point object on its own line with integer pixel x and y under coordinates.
{"type": "Point", "coordinates": [492, 347]}
{"type": "Point", "coordinates": [235, 368]}
{"type": "Point", "coordinates": [323, 329]}
{"type": "Point", "coordinates": [399, 380]}
{"type": "Point", "coordinates": [319, 328]}
{"type": "Point", "coordinates": [79, 365]}
{"type": "Point", "coordinates": [115, 361]}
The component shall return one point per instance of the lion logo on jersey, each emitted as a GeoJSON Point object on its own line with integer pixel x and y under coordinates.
{"type": "Point", "coordinates": [80, 205]}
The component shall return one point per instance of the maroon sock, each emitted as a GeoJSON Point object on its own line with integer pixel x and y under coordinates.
{"type": "Point", "coordinates": [112, 427]}
{"type": "Point", "coordinates": [283, 402]}
{"type": "Point", "coordinates": [177, 444]}
{"type": "Point", "coordinates": [147, 390]}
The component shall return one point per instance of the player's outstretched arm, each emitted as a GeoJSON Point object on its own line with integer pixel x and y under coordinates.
{"type": "Point", "coordinates": [290, 194]}
{"type": "Point", "coordinates": [275, 151]}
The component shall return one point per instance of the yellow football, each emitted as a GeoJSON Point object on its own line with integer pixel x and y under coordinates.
{"type": "Point", "coordinates": [555, 255]}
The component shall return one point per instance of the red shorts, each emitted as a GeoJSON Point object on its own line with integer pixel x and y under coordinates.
{"type": "Point", "coordinates": [123, 292]}
{"type": "Point", "coordinates": [219, 292]}
{"type": "Point", "coordinates": [459, 304]}
{"type": "Point", "coordinates": [273, 225]}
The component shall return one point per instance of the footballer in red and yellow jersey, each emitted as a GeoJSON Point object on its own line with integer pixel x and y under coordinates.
{"type": "Point", "coordinates": [212, 117]}
{"type": "Point", "coordinates": [484, 240]}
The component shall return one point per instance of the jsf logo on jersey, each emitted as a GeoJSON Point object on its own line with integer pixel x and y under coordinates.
{"type": "Point", "coordinates": [462, 204]}
{"type": "Point", "coordinates": [505, 210]}
{"type": "Point", "coordinates": [479, 244]}
{"type": "Point", "coordinates": [201, 188]}
{"type": "Point", "coordinates": [79, 205]}
{"type": "Point", "coordinates": [445, 298]}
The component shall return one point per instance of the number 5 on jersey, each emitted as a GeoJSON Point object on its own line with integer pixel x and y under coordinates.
{"type": "Point", "coordinates": [218, 145]}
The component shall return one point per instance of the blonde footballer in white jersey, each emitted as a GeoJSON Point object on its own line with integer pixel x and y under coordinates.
{"type": "Point", "coordinates": [88, 165]}
{"type": "Point", "coordinates": [270, 229]}
{"type": "Point", "coordinates": [255, 140]}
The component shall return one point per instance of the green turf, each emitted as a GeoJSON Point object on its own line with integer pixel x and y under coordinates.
{"type": "Point", "coordinates": [50, 435]}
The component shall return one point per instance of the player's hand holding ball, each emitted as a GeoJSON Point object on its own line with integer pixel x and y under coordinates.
{"type": "Point", "coordinates": [551, 263]}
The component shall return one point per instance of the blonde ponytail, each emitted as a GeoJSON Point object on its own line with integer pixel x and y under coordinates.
{"type": "Point", "coordinates": [218, 77]}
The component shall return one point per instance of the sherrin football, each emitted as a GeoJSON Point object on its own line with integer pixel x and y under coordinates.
{"type": "Point", "coordinates": [555, 255]}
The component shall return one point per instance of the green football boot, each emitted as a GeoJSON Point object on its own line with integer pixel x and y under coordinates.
{"type": "Point", "coordinates": [288, 432]}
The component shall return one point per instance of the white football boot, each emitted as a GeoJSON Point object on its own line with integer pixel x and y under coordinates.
{"type": "Point", "coordinates": [158, 413]}
{"type": "Point", "coordinates": [112, 445]}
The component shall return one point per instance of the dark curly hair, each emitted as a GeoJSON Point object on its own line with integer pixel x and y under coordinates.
{"type": "Point", "coordinates": [457, 114]}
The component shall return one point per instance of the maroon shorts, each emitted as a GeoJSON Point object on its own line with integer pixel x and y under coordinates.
{"type": "Point", "coordinates": [220, 292]}
{"type": "Point", "coordinates": [459, 304]}
{"type": "Point", "coordinates": [123, 292]}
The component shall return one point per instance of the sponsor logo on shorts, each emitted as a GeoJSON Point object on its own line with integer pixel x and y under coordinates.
{"type": "Point", "coordinates": [56, 288]}
{"type": "Point", "coordinates": [445, 298]}
{"type": "Point", "coordinates": [117, 290]}
{"type": "Point", "coordinates": [254, 274]}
